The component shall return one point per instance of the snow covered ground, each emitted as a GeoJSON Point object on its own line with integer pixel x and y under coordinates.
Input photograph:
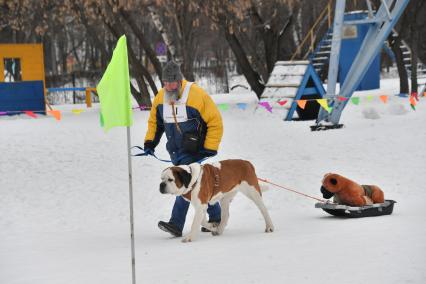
{"type": "Point", "coordinates": [64, 201]}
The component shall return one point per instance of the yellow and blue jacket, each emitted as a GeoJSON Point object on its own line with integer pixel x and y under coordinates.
{"type": "Point", "coordinates": [203, 118]}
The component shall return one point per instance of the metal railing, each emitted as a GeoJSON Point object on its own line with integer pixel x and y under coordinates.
{"type": "Point", "coordinates": [311, 35]}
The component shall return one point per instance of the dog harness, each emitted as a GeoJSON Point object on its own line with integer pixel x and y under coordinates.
{"type": "Point", "coordinates": [367, 190]}
{"type": "Point", "coordinates": [216, 177]}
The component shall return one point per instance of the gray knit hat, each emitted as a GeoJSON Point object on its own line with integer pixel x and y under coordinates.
{"type": "Point", "coordinates": [171, 72]}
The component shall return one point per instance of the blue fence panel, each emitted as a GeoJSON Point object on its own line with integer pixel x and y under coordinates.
{"type": "Point", "coordinates": [22, 96]}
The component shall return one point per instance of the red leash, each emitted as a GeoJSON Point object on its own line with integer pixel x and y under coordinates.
{"type": "Point", "coordinates": [277, 185]}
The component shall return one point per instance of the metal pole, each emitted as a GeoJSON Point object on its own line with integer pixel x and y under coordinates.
{"type": "Point", "coordinates": [335, 48]}
{"type": "Point", "coordinates": [333, 66]}
{"type": "Point", "coordinates": [132, 234]}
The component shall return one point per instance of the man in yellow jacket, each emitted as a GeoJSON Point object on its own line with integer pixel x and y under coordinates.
{"type": "Point", "coordinates": [194, 129]}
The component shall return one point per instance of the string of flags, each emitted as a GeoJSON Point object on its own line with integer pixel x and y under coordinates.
{"type": "Point", "coordinates": [57, 114]}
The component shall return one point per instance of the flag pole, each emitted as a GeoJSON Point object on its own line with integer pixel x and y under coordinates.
{"type": "Point", "coordinates": [132, 234]}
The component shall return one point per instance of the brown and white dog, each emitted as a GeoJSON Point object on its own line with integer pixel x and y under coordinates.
{"type": "Point", "coordinates": [207, 184]}
{"type": "Point", "coordinates": [348, 192]}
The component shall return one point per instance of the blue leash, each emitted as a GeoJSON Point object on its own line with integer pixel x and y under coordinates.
{"type": "Point", "coordinates": [143, 153]}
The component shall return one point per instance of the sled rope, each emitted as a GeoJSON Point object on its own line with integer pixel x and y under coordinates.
{"type": "Point", "coordinates": [292, 190]}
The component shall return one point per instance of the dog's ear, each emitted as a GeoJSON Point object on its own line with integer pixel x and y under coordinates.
{"type": "Point", "coordinates": [333, 181]}
{"type": "Point", "coordinates": [184, 177]}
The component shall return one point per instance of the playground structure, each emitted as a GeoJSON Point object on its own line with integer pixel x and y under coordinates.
{"type": "Point", "coordinates": [22, 77]}
{"type": "Point", "coordinates": [22, 80]}
{"type": "Point", "coordinates": [350, 49]}
{"type": "Point", "coordinates": [380, 26]}
{"type": "Point", "coordinates": [291, 81]}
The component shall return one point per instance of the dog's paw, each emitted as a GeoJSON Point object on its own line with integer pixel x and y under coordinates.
{"type": "Point", "coordinates": [187, 239]}
{"type": "Point", "coordinates": [212, 227]}
{"type": "Point", "coordinates": [219, 230]}
{"type": "Point", "coordinates": [269, 229]}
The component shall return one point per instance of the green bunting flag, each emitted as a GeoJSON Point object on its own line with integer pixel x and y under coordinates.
{"type": "Point", "coordinates": [223, 107]}
{"type": "Point", "coordinates": [355, 100]}
{"type": "Point", "coordinates": [114, 90]}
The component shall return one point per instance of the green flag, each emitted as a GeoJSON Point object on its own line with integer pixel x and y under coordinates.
{"type": "Point", "coordinates": [114, 90]}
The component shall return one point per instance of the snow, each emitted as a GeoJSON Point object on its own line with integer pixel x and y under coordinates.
{"type": "Point", "coordinates": [64, 209]}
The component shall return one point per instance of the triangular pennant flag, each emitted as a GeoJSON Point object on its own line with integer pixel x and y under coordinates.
{"type": "Point", "coordinates": [301, 103]}
{"type": "Point", "coordinates": [3, 113]}
{"type": "Point", "coordinates": [369, 98]}
{"type": "Point", "coordinates": [355, 100]}
{"type": "Point", "coordinates": [76, 111]}
{"type": "Point", "coordinates": [324, 104]}
{"type": "Point", "coordinates": [242, 106]}
{"type": "Point", "coordinates": [384, 98]}
{"type": "Point", "coordinates": [223, 107]}
{"type": "Point", "coordinates": [55, 113]}
{"type": "Point", "coordinates": [342, 99]}
{"type": "Point", "coordinates": [114, 89]}
{"type": "Point", "coordinates": [30, 114]}
{"type": "Point", "coordinates": [267, 106]}
{"type": "Point", "coordinates": [282, 102]}
{"type": "Point", "coordinates": [413, 101]}
{"type": "Point", "coordinates": [413, 107]}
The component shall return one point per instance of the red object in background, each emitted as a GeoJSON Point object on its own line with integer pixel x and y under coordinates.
{"type": "Point", "coordinates": [415, 95]}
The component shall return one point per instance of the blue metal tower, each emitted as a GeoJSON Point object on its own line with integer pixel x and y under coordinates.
{"type": "Point", "coordinates": [381, 26]}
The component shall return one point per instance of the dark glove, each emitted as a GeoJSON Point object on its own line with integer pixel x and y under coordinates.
{"type": "Point", "coordinates": [208, 153]}
{"type": "Point", "coordinates": [148, 148]}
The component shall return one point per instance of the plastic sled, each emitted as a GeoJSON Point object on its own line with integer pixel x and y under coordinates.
{"type": "Point", "coordinates": [340, 210]}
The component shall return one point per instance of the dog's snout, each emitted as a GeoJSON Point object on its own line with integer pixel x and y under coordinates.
{"type": "Point", "coordinates": [163, 187]}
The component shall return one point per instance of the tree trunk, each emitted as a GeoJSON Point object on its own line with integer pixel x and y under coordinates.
{"type": "Point", "coordinates": [157, 22]}
{"type": "Point", "coordinates": [252, 77]}
{"type": "Point", "coordinates": [140, 71]}
{"type": "Point", "coordinates": [395, 43]}
{"type": "Point", "coordinates": [414, 58]}
{"type": "Point", "coordinates": [150, 53]}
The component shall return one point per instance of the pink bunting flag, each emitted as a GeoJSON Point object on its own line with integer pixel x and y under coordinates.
{"type": "Point", "coordinates": [301, 103]}
{"type": "Point", "coordinates": [3, 113]}
{"type": "Point", "coordinates": [30, 114]}
{"type": "Point", "coordinates": [282, 102]}
{"type": "Point", "coordinates": [266, 105]}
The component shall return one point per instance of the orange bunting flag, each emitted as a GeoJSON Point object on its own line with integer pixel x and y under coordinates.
{"type": "Point", "coordinates": [77, 111]}
{"type": "Point", "coordinates": [384, 98]}
{"type": "Point", "coordinates": [301, 103]}
{"type": "Point", "coordinates": [55, 113]}
{"type": "Point", "coordinates": [282, 102]}
{"type": "Point", "coordinates": [30, 114]}
{"type": "Point", "coordinates": [413, 101]}
{"type": "Point", "coordinates": [324, 104]}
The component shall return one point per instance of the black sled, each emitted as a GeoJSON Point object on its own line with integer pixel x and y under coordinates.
{"type": "Point", "coordinates": [340, 210]}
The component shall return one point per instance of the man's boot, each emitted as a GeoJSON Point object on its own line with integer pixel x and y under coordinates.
{"type": "Point", "coordinates": [170, 228]}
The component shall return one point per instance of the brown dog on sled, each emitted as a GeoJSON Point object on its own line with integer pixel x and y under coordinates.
{"type": "Point", "coordinates": [350, 193]}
